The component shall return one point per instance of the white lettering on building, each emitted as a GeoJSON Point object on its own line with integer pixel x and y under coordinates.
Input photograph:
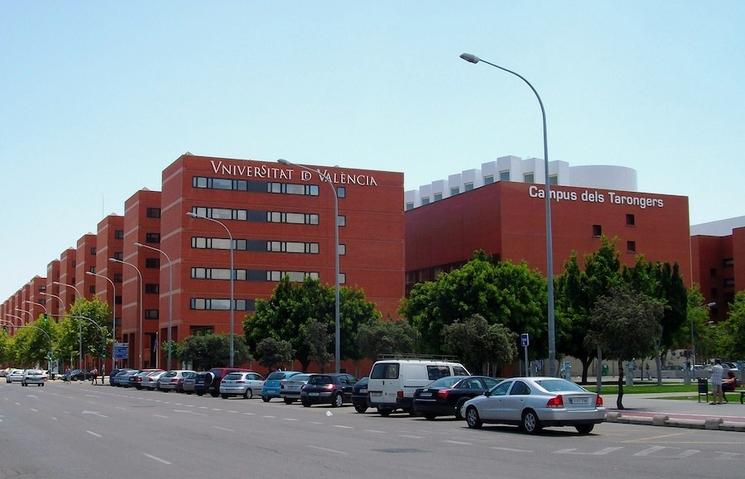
{"type": "Point", "coordinates": [595, 196]}
{"type": "Point", "coordinates": [277, 173]}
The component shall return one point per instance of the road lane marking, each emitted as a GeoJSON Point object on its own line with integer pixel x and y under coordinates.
{"type": "Point", "coordinates": [289, 419]}
{"type": "Point", "coordinates": [325, 449]}
{"type": "Point", "coordinates": [234, 412]}
{"type": "Point", "coordinates": [249, 413]}
{"type": "Point", "coordinates": [94, 434]}
{"type": "Point", "coordinates": [160, 415]}
{"type": "Point", "coordinates": [32, 396]}
{"type": "Point", "coordinates": [91, 396]}
{"type": "Point", "coordinates": [216, 409]}
{"type": "Point", "coordinates": [223, 428]}
{"type": "Point", "coordinates": [375, 431]}
{"type": "Point", "coordinates": [728, 455]}
{"type": "Point", "coordinates": [269, 417]}
{"type": "Point", "coordinates": [651, 438]}
{"type": "Point", "coordinates": [316, 422]}
{"type": "Point", "coordinates": [34, 410]}
{"type": "Point", "coordinates": [461, 443]}
{"type": "Point", "coordinates": [650, 450]}
{"type": "Point", "coordinates": [93, 413]}
{"type": "Point", "coordinates": [203, 407]}
{"type": "Point", "coordinates": [343, 427]}
{"type": "Point", "coordinates": [54, 418]}
{"type": "Point", "coordinates": [410, 436]}
{"type": "Point", "coordinates": [190, 412]}
{"type": "Point", "coordinates": [155, 458]}
{"type": "Point", "coordinates": [18, 404]}
{"type": "Point", "coordinates": [601, 452]}
{"type": "Point", "coordinates": [509, 449]}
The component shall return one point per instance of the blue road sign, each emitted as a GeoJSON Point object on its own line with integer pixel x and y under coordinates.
{"type": "Point", "coordinates": [524, 340]}
{"type": "Point", "coordinates": [121, 351]}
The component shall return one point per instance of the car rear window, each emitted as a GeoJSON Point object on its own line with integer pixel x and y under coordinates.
{"type": "Point", "coordinates": [233, 376]}
{"type": "Point", "coordinates": [437, 372]}
{"type": "Point", "coordinates": [556, 385]}
{"type": "Point", "coordinates": [276, 376]}
{"type": "Point", "coordinates": [385, 371]}
{"type": "Point", "coordinates": [315, 380]}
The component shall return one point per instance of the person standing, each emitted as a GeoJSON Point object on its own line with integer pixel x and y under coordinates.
{"type": "Point", "coordinates": [717, 372]}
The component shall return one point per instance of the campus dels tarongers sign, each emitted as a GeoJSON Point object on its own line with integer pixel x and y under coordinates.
{"type": "Point", "coordinates": [597, 196]}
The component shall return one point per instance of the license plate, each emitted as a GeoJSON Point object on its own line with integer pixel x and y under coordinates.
{"type": "Point", "coordinates": [375, 393]}
{"type": "Point", "coordinates": [363, 390]}
{"type": "Point", "coordinates": [312, 394]}
{"type": "Point", "coordinates": [425, 395]}
{"type": "Point", "coordinates": [579, 401]}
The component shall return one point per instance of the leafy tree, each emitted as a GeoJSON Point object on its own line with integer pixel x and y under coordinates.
{"type": "Point", "coordinates": [94, 330]}
{"type": "Point", "coordinates": [502, 292]}
{"type": "Point", "coordinates": [317, 339]}
{"type": "Point", "coordinates": [386, 337]}
{"type": "Point", "coordinates": [577, 292]}
{"type": "Point", "coordinates": [273, 352]}
{"type": "Point", "coordinates": [735, 327]}
{"type": "Point", "coordinates": [707, 338]}
{"type": "Point", "coordinates": [626, 325]}
{"type": "Point", "coordinates": [206, 351]}
{"type": "Point", "coordinates": [283, 315]}
{"type": "Point", "coordinates": [5, 346]}
{"type": "Point", "coordinates": [480, 344]}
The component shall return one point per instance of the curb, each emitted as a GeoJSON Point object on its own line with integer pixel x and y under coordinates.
{"type": "Point", "coordinates": [711, 424]}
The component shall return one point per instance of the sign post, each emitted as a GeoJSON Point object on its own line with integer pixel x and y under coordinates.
{"type": "Point", "coordinates": [524, 342]}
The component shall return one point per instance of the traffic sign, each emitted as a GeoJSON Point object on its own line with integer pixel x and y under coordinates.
{"type": "Point", "coordinates": [121, 351]}
{"type": "Point", "coordinates": [524, 340]}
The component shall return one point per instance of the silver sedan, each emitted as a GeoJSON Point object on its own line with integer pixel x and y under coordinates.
{"type": "Point", "coordinates": [533, 403]}
{"type": "Point", "coordinates": [241, 384]}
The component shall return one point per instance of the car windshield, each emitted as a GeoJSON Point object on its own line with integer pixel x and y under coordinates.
{"type": "Point", "coordinates": [446, 382]}
{"type": "Point", "coordinates": [300, 378]}
{"type": "Point", "coordinates": [556, 385]}
{"type": "Point", "coordinates": [320, 380]}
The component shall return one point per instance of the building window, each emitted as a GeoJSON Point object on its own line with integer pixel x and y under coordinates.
{"type": "Point", "coordinates": [341, 191]}
{"type": "Point", "coordinates": [119, 234]}
{"type": "Point", "coordinates": [119, 255]}
{"type": "Point", "coordinates": [201, 330]}
{"type": "Point", "coordinates": [118, 300]}
{"type": "Point", "coordinates": [553, 179]}
{"type": "Point", "coordinates": [437, 197]}
{"type": "Point", "coordinates": [199, 242]}
{"type": "Point", "coordinates": [341, 220]}
{"type": "Point", "coordinates": [529, 178]}
{"type": "Point", "coordinates": [467, 186]}
{"type": "Point", "coordinates": [214, 304]}
{"type": "Point", "coordinates": [153, 213]}
{"type": "Point", "coordinates": [291, 218]}
{"type": "Point", "coordinates": [454, 191]}
{"type": "Point", "coordinates": [117, 278]}
{"type": "Point", "coordinates": [152, 314]}
{"type": "Point", "coordinates": [92, 289]}
{"type": "Point", "coordinates": [152, 263]}
{"type": "Point", "coordinates": [597, 230]}
{"type": "Point", "coordinates": [425, 200]}
{"type": "Point", "coordinates": [293, 276]}
{"type": "Point", "coordinates": [728, 262]}
{"type": "Point", "coordinates": [488, 180]}
{"type": "Point", "coordinates": [729, 282]}
{"type": "Point", "coordinates": [714, 292]}
{"type": "Point", "coordinates": [631, 246]}
{"type": "Point", "coordinates": [93, 251]}
{"type": "Point", "coordinates": [254, 186]}
{"type": "Point", "coordinates": [409, 206]}
{"type": "Point", "coordinates": [342, 249]}
{"type": "Point", "coordinates": [152, 238]}
{"type": "Point", "coordinates": [92, 269]}
{"type": "Point", "coordinates": [152, 288]}
{"type": "Point", "coordinates": [630, 220]}
{"type": "Point", "coordinates": [504, 175]}
{"type": "Point", "coordinates": [713, 272]}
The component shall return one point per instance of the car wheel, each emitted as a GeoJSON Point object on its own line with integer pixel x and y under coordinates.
{"type": "Point", "coordinates": [249, 394]}
{"type": "Point", "coordinates": [458, 407]}
{"type": "Point", "coordinates": [289, 401]}
{"type": "Point", "coordinates": [472, 418]}
{"type": "Point", "coordinates": [23, 383]}
{"type": "Point", "coordinates": [530, 422]}
{"type": "Point", "coordinates": [214, 394]}
{"type": "Point", "coordinates": [385, 412]}
{"type": "Point", "coordinates": [360, 409]}
{"type": "Point", "coordinates": [265, 398]}
{"type": "Point", "coordinates": [429, 417]}
{"type": "Point", "coordinates": [306, 403]}
{"type": "Point", "coordinates": [585, 428]}
{"type": "Point", "coordinates": [338, 401]}
{"type": "Point", "coordinates": [224, 396]}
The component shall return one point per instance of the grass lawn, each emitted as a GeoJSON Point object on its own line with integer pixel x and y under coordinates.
{"type": "Point", "coordinates": [646, 388]}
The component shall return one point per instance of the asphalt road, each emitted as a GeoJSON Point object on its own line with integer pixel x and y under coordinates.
{"type": "Point", "coordinates": [82, 431]}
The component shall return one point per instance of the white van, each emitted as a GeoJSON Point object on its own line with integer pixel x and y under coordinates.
{"type": "Point", "coordinates": [393, 381]}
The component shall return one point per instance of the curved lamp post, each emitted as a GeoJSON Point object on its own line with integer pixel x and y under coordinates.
{"type": "Point", "coordinates": [337, 315]}
{"type": "Point", "coordinates": [71, 286]}
{"type": "Point", "coordinates": [113, 312]}
{"type": "Point", "coordinates": [549, 240]}
{"type": "Point", "coordinates": [232, 280]}
{"type": "Point", "coordinates": [142, 286]}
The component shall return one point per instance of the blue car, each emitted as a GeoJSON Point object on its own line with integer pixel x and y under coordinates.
{"type": "Point", "coordinates": [273, 383]}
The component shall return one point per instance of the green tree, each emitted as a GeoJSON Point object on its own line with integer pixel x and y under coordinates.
{"type": "Point", "coordinates": [317, 338]}
{"type": "Point", "coordinates": [292, 304]}
{"type": "Point", "coordinates": [272, 352]}
{"type": "Point", "coordinates": [480, 345]}
{"type": "Point", "coordinates": [386, 337]}
{"type": "Point", "coordinates": [626, 325]}
{"type": "Point", "coordinates": [205, 351]}
{"type": "Point", "coordinates": [95, 332]}
{"type": "Point", "coordinates": [577, 292]}
{"type": "Point", "coordinates": [705, 337]}
{"type": "Point", "coordinates": [502, 292]}
{"type": "Point", "coordinates": [734, 326]}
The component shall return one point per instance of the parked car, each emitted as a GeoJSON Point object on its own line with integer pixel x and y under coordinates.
{"type": "Point", "coordinates": [393, 381]}
{"type": "Point", "coordinates": [123, 379]}
{"type": "Point", "coordinates": [4, 372]}
{"type": "Point", "coordinates": [150, 381]}
{"type": "Point", "coordinates": [271, 388]}
{"type": "Point", "coordinates": [289, 389]}
{"type": "Point", "coordinates": [359, 396]}
{"type": "Point", "coordinates": [241, 384]}
{"type": "Point", "coordinates": [534, 403]}
{"type": "Point", "coordinates": [190, 382]}
{"type": "Point", "coordinates": [76, 375]}
{"type": "Point", "coordinates": [334, 389]}
{"type": "Point", "coordinates": [202, 383]}
{"type": "Point", "coordinates": [446, 396]}
{"type": "Point", "coordinates": [187, 375]}
{"type": "Point", "coordinates": [33, 376]}
{"type": "Point", "coordinates": [14, 376]}
{"type": "Point", "coordinates": [171, 379]}
{"type": "Point", "coordinates": [217, 374]}
{"type": "Point", "coordinates": [117, 376]}
{"type": "Point", "coordinates": [136, 379]}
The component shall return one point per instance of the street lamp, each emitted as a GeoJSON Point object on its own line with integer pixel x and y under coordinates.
{"type": "Point", "coordinates": [61, 301]}
{"type": "Point", "coordinates": [170, 296]}
{"type": "Point", "coordinates": [549, 241]}
{"type": "Point", "coordinates": [77, 292]}
{"type": "Point", "coordinates": [30, 314]}
{"type": "Point", "coordinates": [337, 316]}
{"type": "Point", "coordinates": [142, 286]}
{"type": "Point", "coordinates": [113, 313]}
{"type": "Point", "coordinates": [232, 280]}
{"type": "Point", "coordinates": [39, 305]}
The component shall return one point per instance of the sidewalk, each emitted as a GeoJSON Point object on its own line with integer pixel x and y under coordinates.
{"type": "Point", "coordinates": [654, 409]}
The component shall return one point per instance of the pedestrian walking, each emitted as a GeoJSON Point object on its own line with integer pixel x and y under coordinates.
{"type": "Point", "coordinates": [717, 373]}
{"type": "Point", "coordinates": [94, 374]}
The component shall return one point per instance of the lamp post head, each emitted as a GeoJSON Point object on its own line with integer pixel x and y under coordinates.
{"type": "Point", "coordinates": [283, 161]}
{"type": "Point", "coordinates": [90, 273]}
{"type": "Point", "coordinates": [137, 243]}
{"type": "Point", "coordinates": [470, 58]}
{"type": "Point", "coordinates": [189, 213]}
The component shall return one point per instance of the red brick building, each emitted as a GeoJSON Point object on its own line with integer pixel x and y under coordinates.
{"type": "Point", "coordinates": [507, 219]}
{"type": "Point", "coordinates": [282, 221]}
{"type": "Point", "coordinates": [67, 277]}
{"type": "Point", "coordinates": [109, 244]}
{"type": "Point", "coordinates": [85, 260]}
{"type": "Point", "coordinates": [53, 304]}
{"type": "Point", "coordinates": [37, 285]}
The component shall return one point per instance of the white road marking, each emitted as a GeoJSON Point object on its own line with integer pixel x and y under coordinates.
{"type": "Point", "coordinates": [410, 436]}
{"type": "Point", "coordinates": [94, 434]}
{"type": "Point", "coordinates": [160, 415]}
{"type": "Point", "coordinates": [509, 449]}
{"type": "Point", "coordinates": [462, 443]}
{"type": "Point", "coordinates": [190, 412]}
{"type": "Point", "coordinates": [269, 417]}
{"type": "Point", "coordinates": [190, 405]}
{"type": "Point", "coordinates": [650, 450]}
{"type": "Point", "coordinates": [601, 452]}
{"type": "Point", "coordinates": [154, 458]}
{"type": "Point", "coordinates": [32, 396]}
{"type": "Point", "coordinates": [18, 404]}
{"type": "Point", "coordinates": [93, 413]}
{"type": "Point", "coordinates": [54, 418]}
{"type": "Point", "coordinates": [319, 448]}
{"type": "Point", "coordinates": [34, 410]}
{"type": "Point", "coordinates": [651, 438]}
{"type": "Point", "coordinates": [375, 431]}
{"type": "Point", "coordinates": [120, 408]}
{"type": "Point", "coordinates": [343, 427]}
{"type": "Point", "coordinates": [223, 428]}
{"type": "Point", "coordinates": [91, 396]}
{"type": "Point", "coordinates": [316, 422]}
{"type": "Point", "coordinates": [179, 404]}
{"type": "Point", "coordinates": [216, 409]}
{"type": "Point", "coordinates": [289, 419]}
{"type": "Point", "coordinates": [203, 407]}
{"type": "Point", "coordinates": [248, 413]}
{"type": "Point", "coordinates": [234, 412]}
{"type": "Point", "coordinates": [728, 455]}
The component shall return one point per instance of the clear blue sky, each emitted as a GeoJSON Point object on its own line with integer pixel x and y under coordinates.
{"type": "Point", "coordinates": [96, 98]}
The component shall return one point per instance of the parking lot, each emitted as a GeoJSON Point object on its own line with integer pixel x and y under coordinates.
{"type": "Point", "coordinates": [80, 430]}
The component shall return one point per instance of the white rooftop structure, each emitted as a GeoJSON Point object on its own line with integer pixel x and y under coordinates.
{"type": "Point", "coordinates": [718, 228]}
{"type": "Point", "coordinates": [531, 170]}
